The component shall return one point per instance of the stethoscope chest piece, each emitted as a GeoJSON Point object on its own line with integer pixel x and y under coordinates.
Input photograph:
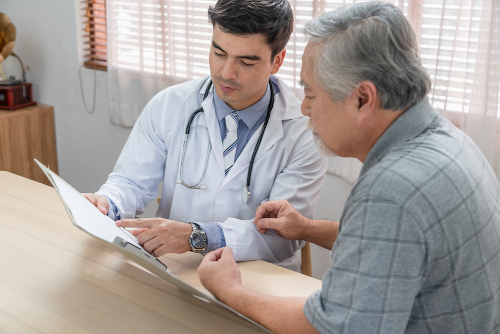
{"type": "Point", "coordinates": [245, 193]}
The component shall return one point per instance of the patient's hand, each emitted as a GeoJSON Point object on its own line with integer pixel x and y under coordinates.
{"type": "Point", "coordinates": [283, 218]}
{"type": "Point", "coordinates": [100, 202]}
{"type": "Point", "coordinates": [219, 273]}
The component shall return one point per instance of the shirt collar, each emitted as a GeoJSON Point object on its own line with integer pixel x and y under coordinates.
{"type": "Point", "coordinates": [407, 126]}
{"type": "Point", "coordinates": [249, 115]}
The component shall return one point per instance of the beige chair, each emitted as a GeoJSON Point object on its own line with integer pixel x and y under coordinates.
{"type": "Point", "coordinates": [305, 255]}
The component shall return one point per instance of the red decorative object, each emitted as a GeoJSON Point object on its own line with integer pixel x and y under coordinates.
{"type": "Point", "coordinates": [15, 97]}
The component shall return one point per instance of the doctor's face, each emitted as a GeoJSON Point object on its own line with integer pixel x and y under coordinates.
{"type": "Point", "coordinates": [240, 67]}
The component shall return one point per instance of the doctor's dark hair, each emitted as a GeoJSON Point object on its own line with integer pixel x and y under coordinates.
{"type": "Point", "coordinates": [271, 18]}
{"type": "Point", "coordinates": [369, 41]}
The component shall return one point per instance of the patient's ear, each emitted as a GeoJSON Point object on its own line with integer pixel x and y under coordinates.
{"type": "Point", "coordinates": [367, 100]}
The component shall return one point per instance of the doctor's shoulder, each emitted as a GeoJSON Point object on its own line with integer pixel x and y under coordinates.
{"type": "Point", "coordinates": [293, 121]}
{"type": "Point", "coordinates": [298, 142]}
{"type": "Point", "coordinates": [173, 100]}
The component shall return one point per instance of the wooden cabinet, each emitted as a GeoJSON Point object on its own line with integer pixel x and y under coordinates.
{"type": "Point", "coordinates": [26, 134]}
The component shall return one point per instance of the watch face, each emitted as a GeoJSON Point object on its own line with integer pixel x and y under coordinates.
{"type": "Point", "coordinates": [199, 241]}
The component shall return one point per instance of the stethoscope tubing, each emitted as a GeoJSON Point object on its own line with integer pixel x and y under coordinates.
{"type": "Point", "coordinates": [269, 108]}
{"type": "Point", "coordinates": [254, 154]}
{"type": "Point", "coordinates": [186, 137]}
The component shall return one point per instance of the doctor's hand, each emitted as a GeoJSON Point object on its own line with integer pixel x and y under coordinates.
{"type": "Point", "coordinates": [160, 236]}
{"type": "Point", "coordinates": [283, 218]}
{"type": "Point", "coordinates": [99, 201]}
{"type": "Point", "coordinates": [219, 273]}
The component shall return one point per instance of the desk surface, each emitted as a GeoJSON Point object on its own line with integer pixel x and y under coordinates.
{"type": "Point", "coordinates": [57, 279]}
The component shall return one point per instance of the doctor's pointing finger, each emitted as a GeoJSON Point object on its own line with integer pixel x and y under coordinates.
{"type": "Point", "coordinates": [160, 236]}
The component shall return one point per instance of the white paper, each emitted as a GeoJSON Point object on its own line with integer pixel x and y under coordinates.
{"type": "Point", "coordinates": [88, 217]}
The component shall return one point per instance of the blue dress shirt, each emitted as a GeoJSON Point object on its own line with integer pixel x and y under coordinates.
{"type": "Point", "coordinates": [250, 120]}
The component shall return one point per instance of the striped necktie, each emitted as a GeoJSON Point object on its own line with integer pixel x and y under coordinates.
{"type": "Point", "coordinates": [231, 140]}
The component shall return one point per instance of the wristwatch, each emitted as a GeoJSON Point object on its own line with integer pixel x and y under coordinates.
{"type": "Point", "coordinates": [198, 239]}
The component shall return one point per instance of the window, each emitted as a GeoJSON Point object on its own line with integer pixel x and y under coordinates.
{"type": "Point", "coordinates": [449, 36]}
{"type": "Point", "coordinates": [171, 39]}
{"type": "Point", "coordinates": [95, 34]}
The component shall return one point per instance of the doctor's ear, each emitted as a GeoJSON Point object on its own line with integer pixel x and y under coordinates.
{"type": "Point", "coordinates": [366, 99]}
{"type": "Point", "coordinates": [278, 61]}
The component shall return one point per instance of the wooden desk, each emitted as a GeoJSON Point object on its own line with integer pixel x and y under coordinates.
{"type": "Point", "coordinates": [26, 134]}
{"type": "Point", "coordinates": [57, 279]}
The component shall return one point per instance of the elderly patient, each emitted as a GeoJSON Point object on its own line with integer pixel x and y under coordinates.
{"type": "Point", "coordinates": [417, 249]}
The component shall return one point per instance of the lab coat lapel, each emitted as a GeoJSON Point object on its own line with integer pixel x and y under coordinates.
{"type": "Point", "coordinates": [273, 133]}
{"type": "Point", "coordinates": [213, 130]}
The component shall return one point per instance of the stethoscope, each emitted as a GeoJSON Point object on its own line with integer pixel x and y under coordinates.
{"type": "Point", "coordinates": [246, 188]}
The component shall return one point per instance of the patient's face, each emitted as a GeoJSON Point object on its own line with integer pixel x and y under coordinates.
{"type": "Point", "coordinates": [240, 67]}
{"type": "Point", "coordinates": [331, 122]}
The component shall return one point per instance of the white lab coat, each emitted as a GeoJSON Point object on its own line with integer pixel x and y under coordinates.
{"type": "Point", "coordinates": [287, 166]}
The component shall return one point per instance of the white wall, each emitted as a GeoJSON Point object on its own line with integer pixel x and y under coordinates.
{"type": "Point", "coordinates": [47, 41]}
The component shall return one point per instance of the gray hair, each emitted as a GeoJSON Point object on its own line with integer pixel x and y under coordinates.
{"type": "Point", "coordinates": [369, 41]}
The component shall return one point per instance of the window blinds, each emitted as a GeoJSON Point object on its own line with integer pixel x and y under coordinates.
{"type": "Point", "coordinates": [171, 39]}
{"type": "Point", "coordinates": [95, 34]}
{"type": "Point", "coordinates": [449, 47]}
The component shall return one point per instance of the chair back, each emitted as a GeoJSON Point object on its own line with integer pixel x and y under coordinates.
{"type": "Point", "coordinates": [306, 262]}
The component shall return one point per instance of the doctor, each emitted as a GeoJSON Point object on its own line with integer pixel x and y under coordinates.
{"type": "Point", "coordinates": [247, 144]}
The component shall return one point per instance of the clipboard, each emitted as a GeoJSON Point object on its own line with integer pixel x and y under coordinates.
{"type": "Point", "coordinates": [125, 244]}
